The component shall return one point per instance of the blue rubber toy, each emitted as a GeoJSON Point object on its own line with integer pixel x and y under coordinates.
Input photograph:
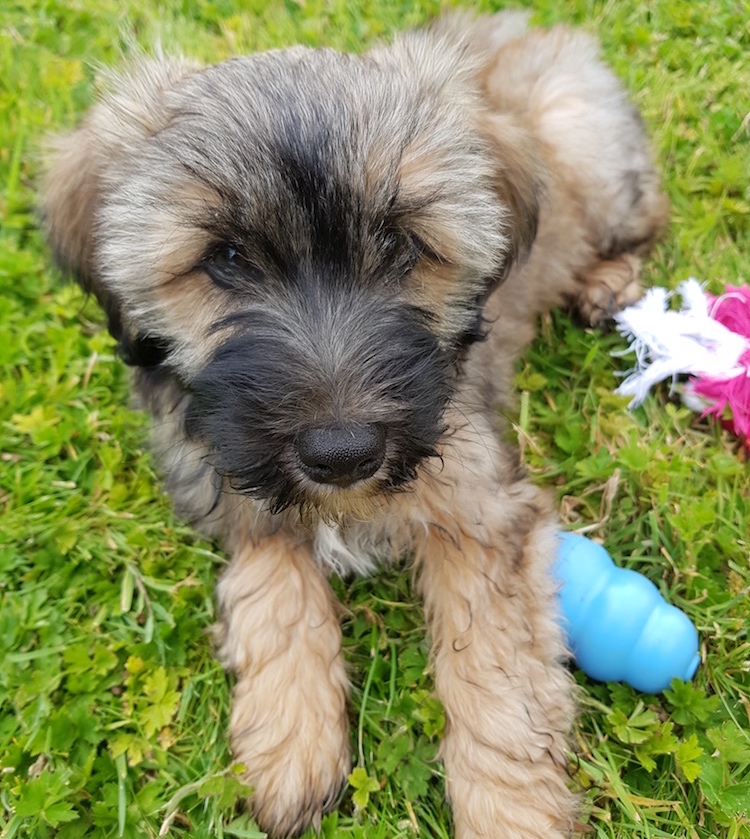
{"type": "Point", "coordinates": [619, 627]}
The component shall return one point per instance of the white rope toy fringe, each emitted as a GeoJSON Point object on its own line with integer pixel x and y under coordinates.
{"type": "Point", "coordinates": [668, 342]}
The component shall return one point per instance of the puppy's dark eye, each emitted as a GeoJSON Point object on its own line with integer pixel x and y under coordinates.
{"type": "Point", "coordinates": [423, 250]}
{"type": "Point", "coordinates": [411, 250]}
{"type": "Point", "coordinates": [229, 269]}
{"type": "Point", "coordinates": [404, 249]}
{"type": "Point", "coordinates": [416, 249]}
{"type": "Point", "coordinates": [477, 330]}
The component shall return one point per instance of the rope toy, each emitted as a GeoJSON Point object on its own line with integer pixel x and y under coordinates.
{"type": "Point", "coordinates": [708, 338]}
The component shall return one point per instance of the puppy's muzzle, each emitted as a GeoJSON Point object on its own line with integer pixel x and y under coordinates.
{"type": "Point", "coordinates": [341, 455]}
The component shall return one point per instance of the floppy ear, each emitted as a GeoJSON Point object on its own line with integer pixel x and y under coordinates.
{"type": "Point", "coordinates": [519, 181]}
{"type": "Point", "coordinates": [84, 165]}
{"type": "Point", "coordinates": [71, 197]}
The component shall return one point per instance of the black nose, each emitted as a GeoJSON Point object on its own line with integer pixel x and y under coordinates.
{"type": "Point", "coordinates": [341, 455]}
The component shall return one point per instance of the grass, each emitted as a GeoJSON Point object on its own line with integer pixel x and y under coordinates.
{"type": "Point", "coordinates": [113, 713]}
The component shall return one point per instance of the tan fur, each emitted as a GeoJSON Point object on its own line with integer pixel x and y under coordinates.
{"type": "Point", "coordinates": [280, 634]}
{"type": "Point", "coordinates": [525, 178]}
{"type": "Point", "coordinates": [483, 560]}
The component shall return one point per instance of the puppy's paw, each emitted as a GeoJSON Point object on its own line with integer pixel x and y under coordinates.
{"type": "Point", "coordinates": [296, 793]}
{"type": "Point", "coordinates": [612, 285]}
{"type": "Point", "coordinates": [297, 756]}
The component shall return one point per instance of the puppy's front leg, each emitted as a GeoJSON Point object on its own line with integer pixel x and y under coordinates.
{"type": "Point", "coordinates": [280, 634]}
{"type": "Point", "coordinates": [497, 654]}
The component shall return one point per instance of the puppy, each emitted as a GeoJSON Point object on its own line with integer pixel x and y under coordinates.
{"type": "Point", "coordinates": [322, 268]}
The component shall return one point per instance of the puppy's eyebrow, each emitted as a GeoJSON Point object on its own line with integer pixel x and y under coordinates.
{"type": "Point", "coordinates": [423, 238]}
{"type": "Point", "coordinates": [405, 204]}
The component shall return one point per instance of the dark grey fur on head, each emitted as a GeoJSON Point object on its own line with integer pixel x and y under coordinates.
{"type": "Point", "coordinates": [308, 240]}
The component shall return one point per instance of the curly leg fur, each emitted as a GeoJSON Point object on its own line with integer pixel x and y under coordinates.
{"type": "Point", "coordinates": [497, 649]}
{"type": "Point", "coordinates": [289, 726]}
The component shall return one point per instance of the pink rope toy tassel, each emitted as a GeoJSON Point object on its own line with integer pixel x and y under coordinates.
{"type": "Point", "coordinates": [708, 338]}
{"type": "Point", "coordinates": [728, 399]}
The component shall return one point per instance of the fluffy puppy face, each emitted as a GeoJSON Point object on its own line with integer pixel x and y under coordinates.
{"type": "Point", "coordinates": [303, 240]}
